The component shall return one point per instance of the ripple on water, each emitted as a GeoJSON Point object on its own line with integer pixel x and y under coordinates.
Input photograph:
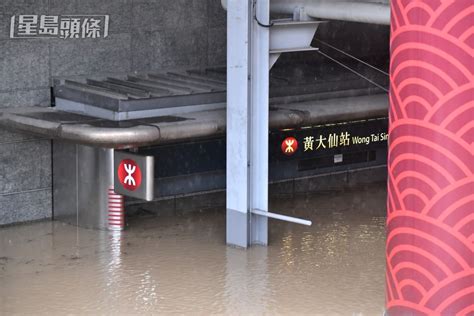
{"type": "Point", "coordinates": [181, 264]}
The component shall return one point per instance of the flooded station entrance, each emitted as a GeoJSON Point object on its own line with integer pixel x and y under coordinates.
{"type": "Point", "coordinates": [179, 263]}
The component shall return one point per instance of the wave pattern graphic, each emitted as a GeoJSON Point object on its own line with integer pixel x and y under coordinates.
{"type": "Point", "coordinates": [430, 224]}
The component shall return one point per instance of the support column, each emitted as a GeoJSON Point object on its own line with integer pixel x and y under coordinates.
{"type": "Point", "coordinates": [259, 121]}
{"type": "Point", "coordinates": [83, 178]}
{"type": "Point", "coordinates": [247, 121]}
{"type": "Point", "coordinates": [430, 225]}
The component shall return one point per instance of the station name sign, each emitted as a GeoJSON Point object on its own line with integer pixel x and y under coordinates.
{"type": "Point", "coordinates": [59, 26]}
{"type": "Point", "coordinates": [344, 139]}
{"type": "Point", "coordinates": [330, 138]}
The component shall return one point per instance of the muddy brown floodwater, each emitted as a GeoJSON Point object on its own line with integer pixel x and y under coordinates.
{"type": "Point", "coordinates": [180, 264]}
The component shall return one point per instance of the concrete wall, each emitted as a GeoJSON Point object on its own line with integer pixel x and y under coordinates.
{"type": "Point", "coordinates": [145, 35]}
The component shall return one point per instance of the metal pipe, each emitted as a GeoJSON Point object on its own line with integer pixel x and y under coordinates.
{"type": "Point", "coordinates": [286, 113]}
{"type": "Point", "coordinates": [282, 217]}
{"type": "Point", "coordinates": [355, 11]}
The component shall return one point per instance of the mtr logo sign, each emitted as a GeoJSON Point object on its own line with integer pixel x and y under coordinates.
{"type": "Point", "coordinates": [289, 146]}
{"type": "Point", "coordinates": [134, 175]}
{"type": "Point", "coordinates": [129, 174]}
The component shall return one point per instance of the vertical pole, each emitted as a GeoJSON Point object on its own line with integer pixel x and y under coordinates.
{"type": "Point", "coordinates": [259, 116]}
{"type": "Point", "coordinates": [238, 97]}
{"type": "Point", "coordinates": [430, 225]}
{"type": "Point", "coordinates": [82, 178]}
{"type": "Point", "coordinates": [247, 121]}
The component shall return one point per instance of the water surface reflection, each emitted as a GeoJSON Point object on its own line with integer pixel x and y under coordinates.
{"type": "Point", "coordinates": [181, 264]}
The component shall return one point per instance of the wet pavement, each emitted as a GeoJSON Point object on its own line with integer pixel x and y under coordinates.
{"type": "Point", "coordinates": [180, 264]}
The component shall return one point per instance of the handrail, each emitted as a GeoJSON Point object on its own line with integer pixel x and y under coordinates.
{"type": "Point", "coordinates": [54, 124]}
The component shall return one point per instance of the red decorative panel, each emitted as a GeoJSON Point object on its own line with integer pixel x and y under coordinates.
{"type": "Point", "coordinates": [430, 225]}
